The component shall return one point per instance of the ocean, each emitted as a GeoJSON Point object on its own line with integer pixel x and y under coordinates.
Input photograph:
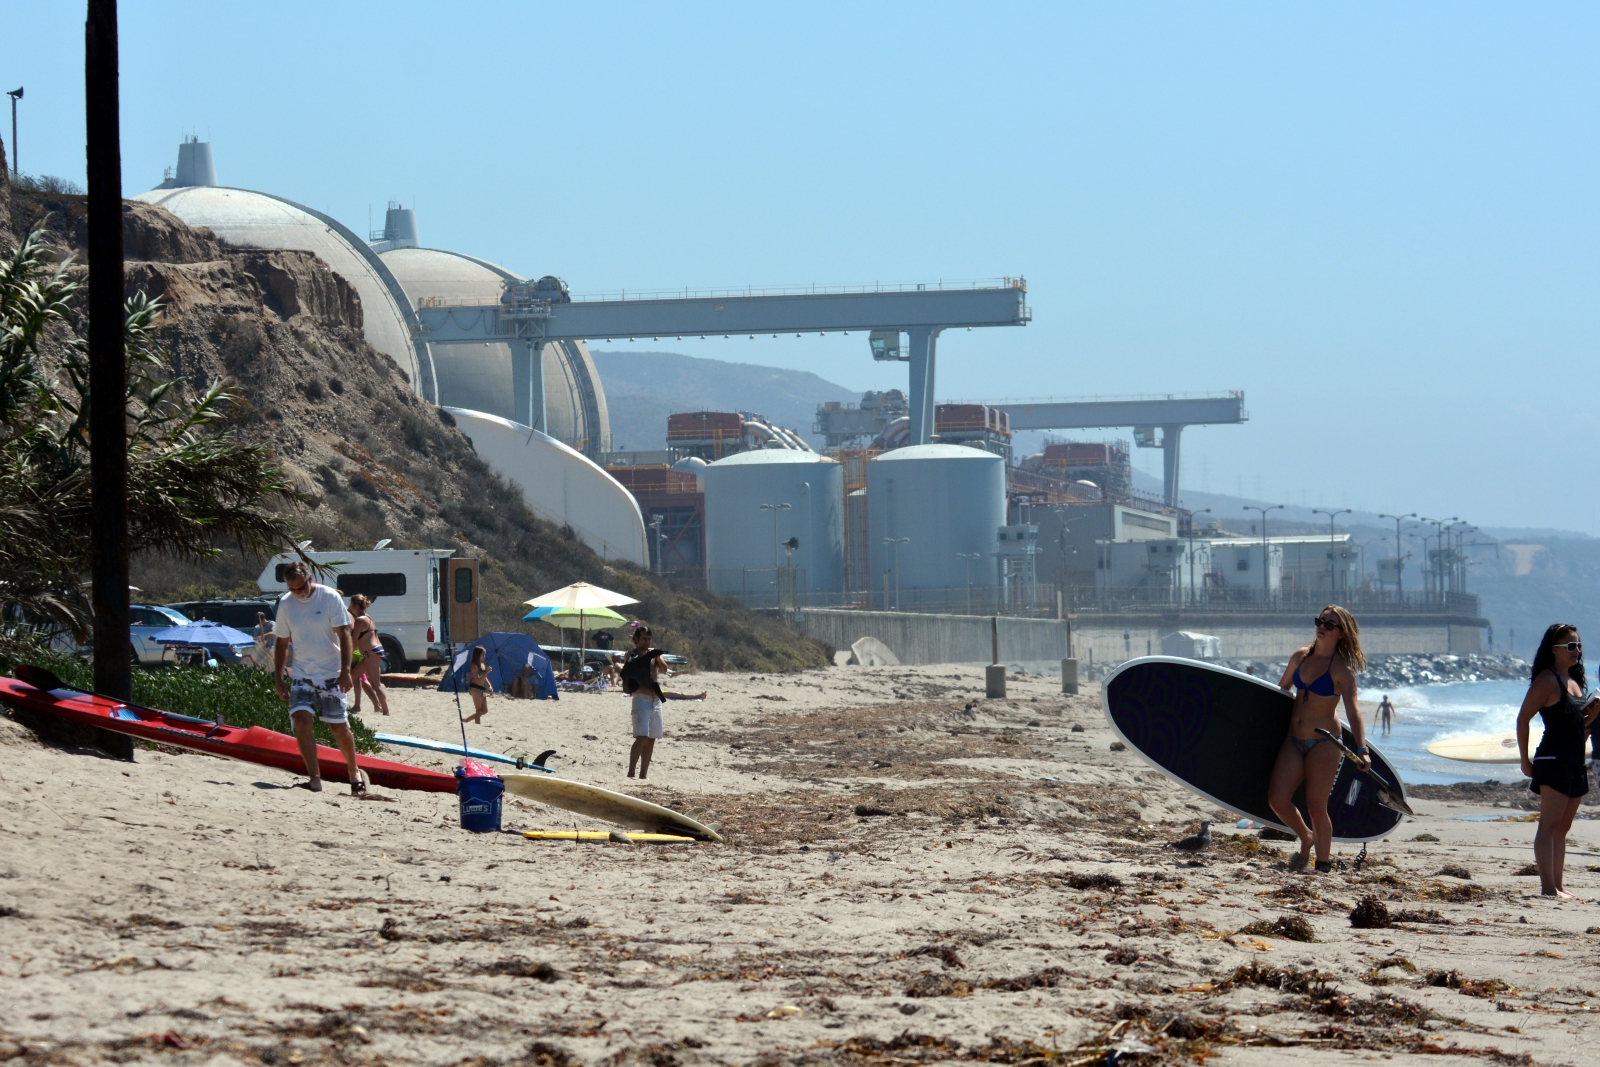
{"type": "Point", "coordinates": [1428, 713]}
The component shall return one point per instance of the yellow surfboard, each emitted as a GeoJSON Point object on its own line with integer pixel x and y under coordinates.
{"type": "Point", "coordinates": [1486, 748]}
{"type": "Point", "coordinates": [602, 835]}
{"type": "Point", "coordinates": [606, 805]}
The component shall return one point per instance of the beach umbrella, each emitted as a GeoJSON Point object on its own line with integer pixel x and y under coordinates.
{"type": "Point", "coordinates": [592, 619]}
{"type": "Point", "coordinates": [583, 598]}
{"type": "Point", "coordinates": [203, 632]}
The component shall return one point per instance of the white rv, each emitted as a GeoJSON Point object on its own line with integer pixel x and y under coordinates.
{"type": "Point", "coordinates": [422, 598]}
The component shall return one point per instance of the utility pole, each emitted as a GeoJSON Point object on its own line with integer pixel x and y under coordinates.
{"type": "Point", "coordinates": [894, 544]}
{"type": "Point", "coordinates": [1399, 567]}
{"type": "Point", "coordinates": [1266, 589]}
{"type": "Point", "coordinates": [658, 537]}
{"type": "Point", "coordinates": [774, 508]}
{"type": "Point", "coordinates": [15, 95]}
{"type": "Point", "coordinates": [1333, 585]}
{"type": "Point", "coordinates": [1202, 511]}
{"type": "Point", "coordinates": [108, 364]}
{"type": "Point", "coordinates": [967, 558]}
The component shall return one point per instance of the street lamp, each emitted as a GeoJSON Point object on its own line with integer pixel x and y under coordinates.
{"type": "Point", "coordinates": [774, 508]}
{"type": "Point", "coordinates": [1364, 544]}
{"type": "Point", "coordinates": [1266, 589]}
{"type": "Point", "coordinates": [15, 95]}
{"type": "Point", "coordinates": [894, 544]}
{"type": "Point", "coordinates": [1437, 557]}
{"type": "Point", "coordinates": [1202, 511]}
{"type": "Point", "coordinates": [1333, 583]}
{"type": "Point", "coordinates": [967, 558]}
{"type": "Point", "coordinates": [1399, 567]}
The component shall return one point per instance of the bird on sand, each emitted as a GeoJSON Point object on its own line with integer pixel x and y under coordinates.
{"type": "Point", "coordinates": [1195, 842]}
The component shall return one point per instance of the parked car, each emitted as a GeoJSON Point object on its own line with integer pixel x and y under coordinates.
{"type": "Point", "coordinates": [241, 614]}
{"type": "Point", "coordinates": [149, 620]}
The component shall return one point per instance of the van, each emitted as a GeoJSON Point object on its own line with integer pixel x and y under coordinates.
{"type": "Point", "coordinates": [422, 598]}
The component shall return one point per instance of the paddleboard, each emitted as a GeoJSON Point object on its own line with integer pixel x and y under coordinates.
{"type": "Point", "coordinates": [601, 835]}
{"type": "Point", "coordinates": [598, 803]}
{"type": "Point", "coordinates": [521, 762]}
{"type": "Point", "coordinates": [1488, 748]}
{"type": "Point", "coordinates": [1217, 732]}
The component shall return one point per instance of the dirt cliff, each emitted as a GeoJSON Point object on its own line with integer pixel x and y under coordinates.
{"type": "Point", "coordinates": [371, 458]}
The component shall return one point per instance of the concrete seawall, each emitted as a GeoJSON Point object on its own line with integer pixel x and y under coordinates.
{"type": "Point", "coordinates": [940, 638]}
{"type": "Point", "coordinates": [919, 638]}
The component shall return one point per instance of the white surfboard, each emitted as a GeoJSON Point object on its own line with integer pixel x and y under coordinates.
{"type": "Point", "coordinates": [1487, 748]}
{"type": "Point", "coordinates": [598, 803]}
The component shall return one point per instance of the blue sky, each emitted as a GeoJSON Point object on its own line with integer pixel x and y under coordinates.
{"type": "Point", "coordinates": [1377, 220]}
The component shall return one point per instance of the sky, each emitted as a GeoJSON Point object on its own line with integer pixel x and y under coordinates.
{"type": "Point", "coordinates": [1377, 220]}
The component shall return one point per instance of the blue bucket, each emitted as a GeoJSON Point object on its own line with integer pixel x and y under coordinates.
{"type": "Point", "coordinates": [480, 803]}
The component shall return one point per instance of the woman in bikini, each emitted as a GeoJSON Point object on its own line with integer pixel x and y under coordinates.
{"type": "Point", "coordinates": [369, 671]}
{"type": "Point", "coordinates": [1557, 771]}
{"type": "Point", "coordinates": [478, 683]}
{"type": "Point", "coordinates": [1330, 663]}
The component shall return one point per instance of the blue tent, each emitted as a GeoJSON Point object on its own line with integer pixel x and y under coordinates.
{"type": "Point", "coordinates": [507, 653]}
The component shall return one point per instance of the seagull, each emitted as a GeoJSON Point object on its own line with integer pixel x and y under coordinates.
{"type": "Point", "coordinates": [1197, 842]}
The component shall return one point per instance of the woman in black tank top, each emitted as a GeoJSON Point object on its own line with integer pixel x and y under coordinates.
{"type": "Point", "coordinates": [1557, 771]}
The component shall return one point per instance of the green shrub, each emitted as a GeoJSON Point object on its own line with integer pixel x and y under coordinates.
{"type": "Point", "coordinates": [244, 695]}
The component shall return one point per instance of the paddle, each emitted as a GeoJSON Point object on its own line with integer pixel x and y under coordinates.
{"type": "Point", "coordinates": [1386, 796]}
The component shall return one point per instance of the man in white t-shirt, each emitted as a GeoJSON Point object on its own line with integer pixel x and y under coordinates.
{"type": "Point", "coordinates": [313, 621]}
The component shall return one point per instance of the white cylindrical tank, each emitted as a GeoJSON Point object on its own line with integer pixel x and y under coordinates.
{"type": "Point", "coordinates": [696, 466]}
{"type": "Point", "coordinates": [400, 227]}
{"type": "Point", "coordinates": [948, 500]}
{"type": "Point", "coordinates": [195, 165]}
{"type": "Point", "coordinates": [739, 535]}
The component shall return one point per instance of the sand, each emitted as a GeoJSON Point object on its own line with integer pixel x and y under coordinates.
{"type": "Point", "coordinates": [1013, 903]}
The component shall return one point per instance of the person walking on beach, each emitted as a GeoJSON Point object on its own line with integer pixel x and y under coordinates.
{"type": "Point", "coordinates": [1386, 716]}
{"type": "Point", "coordinates": [641, 673]}
{"type": "Point", "coordinates": [311, 618]}
{"type": "Point", "coordinates": [478, 683]}
{"type": "Point", "coordinates": [1558, 695]}
{"type": "Point", "coordinates": [369, 670]}
{"type": "Point", "coordinates": [1330, 662]}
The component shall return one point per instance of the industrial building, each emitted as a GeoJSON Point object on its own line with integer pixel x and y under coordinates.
{"type": "Point", "coordinates": [552, 459]}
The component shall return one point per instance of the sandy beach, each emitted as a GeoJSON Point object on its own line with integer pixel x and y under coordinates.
{"type": "Point", "coordinates": [912, 874]}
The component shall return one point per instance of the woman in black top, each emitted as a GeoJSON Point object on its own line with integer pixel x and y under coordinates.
{"type": "Point", "coordinates": [1556, 771]}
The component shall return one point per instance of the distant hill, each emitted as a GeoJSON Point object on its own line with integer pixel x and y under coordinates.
{"type": "Point", "coordinates": [643, 388]}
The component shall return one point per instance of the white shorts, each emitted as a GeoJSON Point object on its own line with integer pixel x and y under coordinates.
{"type": "Point", "coordinates": [325, 701]}
{"type": "Point", "coordinates": [646, 716]}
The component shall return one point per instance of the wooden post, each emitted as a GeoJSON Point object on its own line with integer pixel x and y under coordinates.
{"type": "Point", "coordinates": [108, 366]}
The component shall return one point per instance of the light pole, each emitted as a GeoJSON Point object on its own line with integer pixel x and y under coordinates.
{"type": "Point", "coordinates": [1202, 511]}
{"type": "Point", "coordinates": [1437, 557]}
{"type": "Point", "coordinates": [15, 95]}
{"type": "Point", "coordinates": [1399, 568]}
{"type": "Point", "coordinates": [1333, 584]}
{"type": "Point", "coordinates": [774, 508]}
{"type": "Point", "coordinates": [894, 544]}
{"type": "Point", "coordinates": [1364, 544]}
{"type": "Point", "coordinates": [1266, 589]}
{"type": "Point", "coordinates": [967, 558]}
{"type": "Point", "coordinates": [655, 529]}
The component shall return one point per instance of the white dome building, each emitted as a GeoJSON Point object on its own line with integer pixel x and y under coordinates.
{"type": "Point", "coordinates": [557, 473]}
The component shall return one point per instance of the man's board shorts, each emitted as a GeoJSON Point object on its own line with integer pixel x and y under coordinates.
{"type": "Point", "coordinates": [323, 700]}
{"type": "Point", "coordinates": [646, 715]}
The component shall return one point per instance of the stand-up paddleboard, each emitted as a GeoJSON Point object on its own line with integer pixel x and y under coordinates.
{"type": "Point", "coordinates": [598, 803]}
{"type": "Point", "coordinates": [1218, 731]}
{"type": "Point", "coordinates": [520, 762]}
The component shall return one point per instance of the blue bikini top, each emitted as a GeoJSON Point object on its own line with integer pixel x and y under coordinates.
{"type": "Point", "coordinates": [1322, 687]}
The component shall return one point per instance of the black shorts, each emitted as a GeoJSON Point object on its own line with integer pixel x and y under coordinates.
{"type": "Point", "coordinates": [1571, 779]}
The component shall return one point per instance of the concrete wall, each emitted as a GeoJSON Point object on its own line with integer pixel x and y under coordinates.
{"type": "Point", "coordinates": [940, 638]}
{"type": "Point", "coordinates": [1260, 638]}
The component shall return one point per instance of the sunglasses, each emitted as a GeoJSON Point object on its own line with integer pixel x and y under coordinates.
{"type": "Point", "coordinates": [1570, 646]}
{"type": "Point", "coordinates": [1325, 624]}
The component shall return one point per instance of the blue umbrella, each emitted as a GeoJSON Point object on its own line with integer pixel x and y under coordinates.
{"type": "Point", "coordinates": [203, 632]}
{"type": "Point", "coordinates": [537, 613]}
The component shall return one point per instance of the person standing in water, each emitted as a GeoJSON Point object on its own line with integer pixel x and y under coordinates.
{"type": "Point", "coordinates": [478, 683]}
{"type": "Point", "coordinates": [1386, 716]}
{"type": "Point", "coordinates": [1330, 662]}
{"type": "Point", "coordinates": [1557, 694]}
{"type": "Point", "coordinates": [369, 668]}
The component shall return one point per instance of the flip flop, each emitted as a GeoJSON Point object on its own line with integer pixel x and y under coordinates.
{"type": "Point", "coordinates": [359, 788]}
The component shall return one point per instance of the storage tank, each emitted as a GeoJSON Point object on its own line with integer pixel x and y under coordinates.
{"type": "Point", "coordinates": [946, 499]}
{"type": "Point", "coordinates": [739, 535]}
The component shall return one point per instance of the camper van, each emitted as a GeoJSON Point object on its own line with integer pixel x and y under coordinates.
{"type": "Point", "coordinates": [422, 599]}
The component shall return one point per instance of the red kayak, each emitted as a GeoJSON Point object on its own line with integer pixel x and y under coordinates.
{"type": "Point", "coordinates": [254, 745]}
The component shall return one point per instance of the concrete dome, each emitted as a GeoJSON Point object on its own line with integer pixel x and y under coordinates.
{"type": "Point", "coordinates": [260, 220]}
{"type": "Point", "coordinates": [478, 377]}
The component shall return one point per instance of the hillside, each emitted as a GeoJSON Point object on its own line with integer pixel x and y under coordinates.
{"type": "Point", "coordinates": [643, 388]}
{"type": "Point", "coordinates": [370, 459]}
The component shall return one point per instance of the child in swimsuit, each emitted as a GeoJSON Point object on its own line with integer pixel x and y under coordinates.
{"type": "Point", "coordinates": [478, 683]}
